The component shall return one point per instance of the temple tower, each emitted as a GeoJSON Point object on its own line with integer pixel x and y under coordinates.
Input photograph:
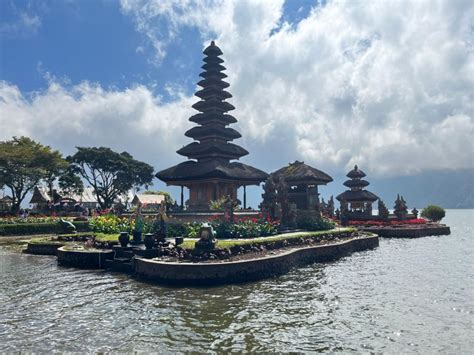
{"type": "Point", "coordinates": [209, 173]}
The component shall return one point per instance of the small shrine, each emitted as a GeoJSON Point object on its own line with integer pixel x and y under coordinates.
{"type": "Point", "coordinates": [302, 183]}
{"type": "Point", "coordinates": [209, 173]}
{"type": "Point", "coordinates": [356, 203]}
{"type": "Point", "coordinates": [291, 193]}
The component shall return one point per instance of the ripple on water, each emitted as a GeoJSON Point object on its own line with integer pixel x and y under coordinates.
{"type": "Point", "coordinates": [405, 296]}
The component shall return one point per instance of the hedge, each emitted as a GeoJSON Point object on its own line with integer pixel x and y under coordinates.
{"type": "Point", "coordinates": [40, 228]}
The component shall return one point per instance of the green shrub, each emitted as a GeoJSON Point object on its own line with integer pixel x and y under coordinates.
{"type": "Point", "coordinates": [316, 224]}
{"type": "Point", "coordinates": [433, 213]}
{"type": "Point", "coordinates": [39, 228]}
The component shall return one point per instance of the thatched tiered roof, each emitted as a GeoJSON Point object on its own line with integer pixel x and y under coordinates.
{"type": "Point", "coordinates": [301, 173]}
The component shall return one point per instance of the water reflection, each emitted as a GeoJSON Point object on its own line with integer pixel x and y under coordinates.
{"type": "Point", "coordinates": [405, 296]}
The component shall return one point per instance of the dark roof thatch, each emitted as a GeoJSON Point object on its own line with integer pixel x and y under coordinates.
{"type": "Point", "coordinates": [356, 173]}
{"type": "Point", "coordinates": [356, 183]}
{"type": "Point", "coordinates": [40, 195]}
{"type": "Point", "coordinates": [195, 171]}
{"type": "Point", "coordinates": [357, 196]}
{"type": "Point", "coordinates": [197, 150]}
{"type": "Point", "coordinates": [299, 172]}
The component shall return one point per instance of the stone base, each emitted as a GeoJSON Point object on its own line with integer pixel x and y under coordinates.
{"type": "Point", "coordinates": [212, 273]}
{"type": "Point", "coordinates": [205, 245]}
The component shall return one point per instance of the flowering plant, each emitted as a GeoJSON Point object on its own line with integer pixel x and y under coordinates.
{"type": "Point", "coordinates": [36, 219]}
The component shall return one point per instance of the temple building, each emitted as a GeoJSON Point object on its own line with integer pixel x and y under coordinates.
{"type": "Point", "coordinates": [302, 181]}
{"type": "Point", "coordinates": [357, 201]}
{"type": "Point", "coordinates": [209, 173]}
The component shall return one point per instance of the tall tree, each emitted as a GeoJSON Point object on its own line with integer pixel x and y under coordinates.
{"type": "Point", "coordinates": [55, 168]}
{"type": "Point", "coordinates": [71, 183]}
{"type": "Point", "coordinates": [23, 164]}
{"type": "Point", "coordinates": [110, 174]}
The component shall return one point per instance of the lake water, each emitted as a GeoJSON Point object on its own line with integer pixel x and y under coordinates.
{"type": "Point", "coordinates": [406, 296]}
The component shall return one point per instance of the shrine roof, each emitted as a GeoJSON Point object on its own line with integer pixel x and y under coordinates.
{"type": "Point", "coordinates": [357, 196]}
{"type": "Point", "coordinates": [213, 169]}
{"type": "Point", "coordinates": [299, 172]}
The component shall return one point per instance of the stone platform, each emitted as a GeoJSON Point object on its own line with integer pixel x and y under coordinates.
{"type": "Point", "coordinates": [213, 273]}
{"type": "Point", "coordinates": [415, 231]}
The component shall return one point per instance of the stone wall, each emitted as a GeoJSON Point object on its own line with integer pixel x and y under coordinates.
{"type": "Point", "coordinates": [409, 232]}
{"type": "Point", "coordinates": [247, 270]}
{"type": "Point", "coordinates": [85, 259]}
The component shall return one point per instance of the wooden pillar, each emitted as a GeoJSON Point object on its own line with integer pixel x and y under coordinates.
{"type": "Point", "coordinates": [245, 197]}
{"type": "Point", "coordinates": [182, 196]}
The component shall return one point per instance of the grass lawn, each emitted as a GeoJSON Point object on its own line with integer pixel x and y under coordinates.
{"type": "Point", "coordinates": [228, 243]}
{"type": "Point", "coordinates": [221, 243]}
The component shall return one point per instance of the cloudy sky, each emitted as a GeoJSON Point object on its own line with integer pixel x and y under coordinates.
{"type": "Point", "coordinates": [386, 85]}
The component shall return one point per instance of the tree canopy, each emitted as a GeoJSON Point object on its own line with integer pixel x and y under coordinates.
{"type": "Point", "coordinates": [433, 213]}
{"type": "Point", "coordinates": [110, 174]}
{"type": "Point", "coordinates": [24, 163]}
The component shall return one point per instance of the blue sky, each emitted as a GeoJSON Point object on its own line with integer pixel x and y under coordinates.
{"type": "Point", "coordinates": [330, 83]}
{"type": "Point", "coordinates": [94, 41]}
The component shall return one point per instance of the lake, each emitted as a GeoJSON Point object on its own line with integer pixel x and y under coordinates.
{"type": "Point", "coordinates": [405, 296]}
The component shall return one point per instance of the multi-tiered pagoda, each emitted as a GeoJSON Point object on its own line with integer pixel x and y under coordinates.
{"type": "Point", "coordinates": [358, 199]}
{"type": "Point", "coordinates": [209, 173]}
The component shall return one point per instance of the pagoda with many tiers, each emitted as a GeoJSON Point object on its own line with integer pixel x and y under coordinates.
{"type": "Point", "coordinates": [209, 173]}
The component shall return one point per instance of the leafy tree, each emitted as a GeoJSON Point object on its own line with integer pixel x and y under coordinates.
{"type": "Point", "coordinates": [433, 213]}
{"type": "Point", "coordinates": [110, 174]}
{"type": "Point", "coordinates": [23, 164]}
{"type": "Point", "coordinates": [71, 183]}
{"type": "Point", "coordinates": [55, 168]}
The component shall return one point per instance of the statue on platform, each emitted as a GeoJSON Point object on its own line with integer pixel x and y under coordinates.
{"type": "Point", "coordinates": [67, 226]}
{"type": "Point", "coordinates": [368, 209]}
{"type": "Point", "coordinates": [330, 207]}
{"type": "Point", "coordinates": [269, 199]}
{"type": "Point", "coordinates": [415, 212]}
{"type": "Point", "coordinates": [207, 240]}
{"type": "Point", "coordinates": [400, 208]}
{"type": "Point", "coordinates": [383, 211]}
{"type": "Point", "coordinates": [345, 217]}
{"type": "Point", "coordinates": [138, 225]}
{"type": "Point", "coordinates": [229, 205]}
{"type": "Point", "coordinates": [282, 198]}
{"type": "Point", "coordinates": [159, 225]}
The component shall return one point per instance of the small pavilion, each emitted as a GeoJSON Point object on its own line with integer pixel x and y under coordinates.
{"type": "Point", "coordinates": [209, 173]}
{"type": "Point", "coordinates": [359, 201]}
{"type": "Point", "coordinates": [302, 181]}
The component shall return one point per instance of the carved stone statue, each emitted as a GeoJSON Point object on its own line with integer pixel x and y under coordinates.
{"type": "Point", "coordinates": [229, 205]}
{"type": "Point", "coordinates": [282, 198]}
{"type": "Point", "coordinates": [269, 199]}
{"type": "Point", "coordinates": [330, 207]}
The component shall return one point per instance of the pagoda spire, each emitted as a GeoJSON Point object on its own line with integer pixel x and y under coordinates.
{"type": "Point", "coordinates": [212, 136]}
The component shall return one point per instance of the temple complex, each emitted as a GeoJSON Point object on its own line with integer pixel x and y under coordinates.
{"type": "Point", "coordinates": [356, 201]}
{"type": "Point", "coordinates": [209, 173]}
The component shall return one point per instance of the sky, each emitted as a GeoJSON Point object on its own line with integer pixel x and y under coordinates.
{"type": "Point", "coordinates": [385, 85]}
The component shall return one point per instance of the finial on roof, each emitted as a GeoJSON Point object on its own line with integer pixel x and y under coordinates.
{"type": "Point", "coordinates": [356, 167]}
{"type": "Point", "coordinates": [213, 43]}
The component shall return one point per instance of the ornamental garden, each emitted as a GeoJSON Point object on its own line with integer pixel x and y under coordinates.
{"type": "Point", "coordinates": [212, 237]}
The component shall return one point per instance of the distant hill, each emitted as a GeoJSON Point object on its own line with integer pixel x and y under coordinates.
{"type": "Point", "coordinates": [447, 188]}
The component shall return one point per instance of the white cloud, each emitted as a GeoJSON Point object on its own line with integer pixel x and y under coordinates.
{"type": "Point", "coordinates": [88, 115]}
{"type": "Point", "coordinates": [385, 85]}
{"type": "Point", "coordinates": [24, 25]}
